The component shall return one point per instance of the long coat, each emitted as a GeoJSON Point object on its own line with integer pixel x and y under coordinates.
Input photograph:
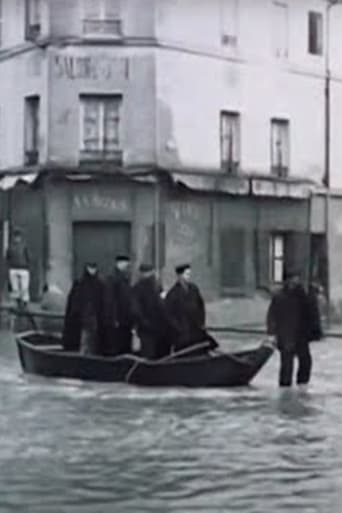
{"type": "Point", "coordinates": [293, 318]}
{"type": "Point", "coordinates": [84, 310]}
{"type": "Point", "coordinates": [186, 306]}
{"type": "Point", "coordinates": [150, 311]}
{"type": "Point", "coordinates": [118, 310]}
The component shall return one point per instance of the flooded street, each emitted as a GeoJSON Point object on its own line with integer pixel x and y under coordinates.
{"type": "Point", "coordinates": [90, 448]}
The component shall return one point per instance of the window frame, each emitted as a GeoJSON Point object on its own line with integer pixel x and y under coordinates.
{"type": "Point", "coordinates": [31, 129]}
{"type": "Point", "coordinates": [280, 169]}
{"type": "Point", "coordinates": [232, 166]}
{"type": "Point", "coordinates": [281, 52]}
{"type": "Point", "coordinates": [104, 18]}
{"type": "Point", "coordinates": [1, 22]}
{"type": "Point", "coordinates": [316, 41]}
{"type": "Point", "coordinates": [229, 31]}
{"type": "Point", "coordinates": [33, 19]}
{"type": "Point", "coordinates": [101, 152]}
{"type": "Point", "coordinates": [274, 258]}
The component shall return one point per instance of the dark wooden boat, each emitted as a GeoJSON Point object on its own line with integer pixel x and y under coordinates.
{"type": "Point", "coordinates": [42, 353]}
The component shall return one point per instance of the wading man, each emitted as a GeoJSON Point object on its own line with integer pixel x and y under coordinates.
{"type": "Point", "coordinates": [294, 322]}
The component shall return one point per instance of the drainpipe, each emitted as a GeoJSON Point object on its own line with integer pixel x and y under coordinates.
{"type": "Point", "coordinates": [157, 225]}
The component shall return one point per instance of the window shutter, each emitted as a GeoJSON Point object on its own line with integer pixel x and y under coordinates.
{"type": "Point", "coordinates": [233, 250]}
{"type": "Point", "coordinates": [91, 124]}
{"type": "Point", "coordinates": [262, 262]}
{"type": "Point", "coordinates": [112, 124]}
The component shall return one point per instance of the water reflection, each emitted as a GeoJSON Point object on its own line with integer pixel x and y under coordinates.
{"type": "Point", "coordinates": [74, 447]}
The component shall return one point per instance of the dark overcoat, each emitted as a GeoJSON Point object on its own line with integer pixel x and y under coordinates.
{"type": "Point", "coordinates": [186, 306]}
{"type": "Point", "coordinates": [84, 310]}
{"type": "Point", "coordinates": [293, 318]}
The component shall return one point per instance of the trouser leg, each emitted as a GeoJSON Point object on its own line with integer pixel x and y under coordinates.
{"type": "Point", "coordinates": [304, 364]}
{"type": "Point", "coordinates": [286, 368]}
{"type": "Point", "coordinates": [148, 346]}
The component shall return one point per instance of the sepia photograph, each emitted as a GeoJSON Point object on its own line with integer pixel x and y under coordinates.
{"type": "Point", "coordinates": [170, 244]}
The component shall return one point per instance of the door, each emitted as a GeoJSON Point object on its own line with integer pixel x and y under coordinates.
{"type": "Point", "coordinates": [99, 242]}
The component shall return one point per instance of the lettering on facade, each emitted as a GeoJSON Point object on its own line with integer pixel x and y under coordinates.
{"type": "Point", "coordinates": [100, 202]}
{"type": "Point", "coordinates": [99, 68]}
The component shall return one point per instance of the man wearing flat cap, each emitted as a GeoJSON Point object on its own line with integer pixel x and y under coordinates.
{"type": "Point", "coordinates": [185, 305]}
{"type": "Point", "coordinates": [154, 327]}
{"type": "Point", "coordinates": [118, 309]}
{"type": "Point", "coordinates": [293, 321]}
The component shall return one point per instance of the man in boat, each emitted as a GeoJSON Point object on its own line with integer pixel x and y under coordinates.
{"type": "Point", "coordinates": [294, 322]}
{"type": "Point", "coordinates": [186, 306]}
{"type": "Point", "coordinates": [154, 326]}
{"type": "Point", "coordinates": [83, 327]}
{"type": "Point", "coordinates": [118, 309]}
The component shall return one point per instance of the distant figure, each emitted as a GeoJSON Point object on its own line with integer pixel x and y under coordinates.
{"type": "Point", "coordinates": [185, 305]}
{"type": "Point", "coordinates": [294, 322]}
{"type": "Point", "coordinates": [154, 327]}
{"type": "Point", "coordinates": [18, 261]}
{"type": "Point", "coordinates": [83, 327]}
{"type": "Point", "coordinates": [118, 309]}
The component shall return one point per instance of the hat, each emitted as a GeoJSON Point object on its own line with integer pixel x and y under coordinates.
{"type": "Point", "coordinates": [122, 258]}
{"type": "Point", "coordinates": [90, 264]}
{"type": "Point", "coordinates": [180, 269]}
{"type": "Point", "coordinates": [146, 268]}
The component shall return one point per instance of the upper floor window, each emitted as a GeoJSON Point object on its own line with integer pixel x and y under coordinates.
{"type": "Point", "coordinates": [280, 28]}
{"type": "Point", "coordinates": [33, 19]}
{"type": "Point", "coordinates": [280, 147]}
{"type": "Point", "coordinates": [315, 33]}
{"type": "Point", "coordinates": [229, 23]}
{"type": "Point", "coordinates": [102, 18]}
{"type": "Point", "coordinates": [230, 141]}
{"type": "Point", "coordinates": [100, 128]}
{"type": "Point", "coordinates": [32, 130]}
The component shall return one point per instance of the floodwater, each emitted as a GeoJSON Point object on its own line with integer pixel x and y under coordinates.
{"type": "Point", "coordinates": [89, 448]}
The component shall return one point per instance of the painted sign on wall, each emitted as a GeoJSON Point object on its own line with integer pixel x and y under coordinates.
{"type": "Point", "coordinates": [98, 204]}
{"type": "Point", "coordinates": [97, 68]}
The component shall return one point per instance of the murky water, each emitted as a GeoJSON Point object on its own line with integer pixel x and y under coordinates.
{"type": "Point", "coordinates": [73, 447]}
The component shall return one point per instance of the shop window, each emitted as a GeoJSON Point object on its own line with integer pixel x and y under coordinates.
{"type": "Point", "coordinates": [230, 141]}
{"type": "Point", "coordinates": [280, 149]}
{"type": "Point", "coordinates": [229, 23]}
{"type": "Point", "coordinates": [315, 33]}
{"type": "Point", "coordinates": [32, 130]}
{"type": "Point", "coordinates": [280, 28]}
{"type": "Point", "coordinates": [277, 257]}
{"type": "Point", "coordinates": [102, 18]}
{"type": "Point", "coordinates": [100, 128]}
{"type": "Point", "coordinates": [33, 19]}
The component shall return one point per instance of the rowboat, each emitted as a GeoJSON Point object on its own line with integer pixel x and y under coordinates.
{"type": "Point", "coordinates": [43, 354]}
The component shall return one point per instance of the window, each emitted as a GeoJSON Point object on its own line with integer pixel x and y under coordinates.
{"type": "Point", "coordinates": [280, 151]}
{"type": "Point", "coordinates": [229, 22]}
{"type": "Point", "coordinates": [102, 18]}
{"type": "Point", "coordinates": [100, 128]}
{"type": "Point", "coordinates": [31, 130]}
{"type": "Point", "coordinates": [315, 42]}
{"type": "Point", "coordinates": [277, 257]}
{"type": "Point", "coordinates": [280, 29]}
{"type": "Point", "coordinates": [33, 19]}
{"type": "Point", "coordinates": [230, 141]}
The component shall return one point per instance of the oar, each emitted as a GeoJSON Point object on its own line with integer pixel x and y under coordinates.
{"type": "Point", "coordinates": [24, 311]}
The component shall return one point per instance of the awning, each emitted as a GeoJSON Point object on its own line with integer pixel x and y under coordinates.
{"type": "Point", "coordinates": [281, 189]}
{"type": "Point", "coordinates": [219, 183]}
{"type": "Point", "coordinates": [9, 181]}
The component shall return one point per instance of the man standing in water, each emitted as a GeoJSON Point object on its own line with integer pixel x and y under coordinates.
{"type": "Point", "coordinates": [18, 261]}
{"type": "Point", "coordinates": [294, 323]}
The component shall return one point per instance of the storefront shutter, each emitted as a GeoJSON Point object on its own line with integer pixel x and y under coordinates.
{"type": "Point", "coordinates": [233, 246]}
{"type": "Point", "coordinates": [297, 253]}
